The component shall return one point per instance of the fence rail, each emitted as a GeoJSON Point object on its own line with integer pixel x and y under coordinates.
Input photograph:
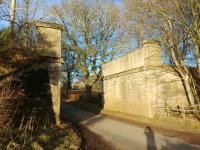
{"type": "Point", "coordinates": [181, 111]}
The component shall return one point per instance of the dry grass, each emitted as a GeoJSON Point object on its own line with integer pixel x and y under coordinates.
{"type": "Point", "coordinates": [10, 98]}
{"type": "Point", "coordinates": [56, 137]}
{"type": "Point", "coordinates": [27, 136]}
{"type": "Point", "coordinates": [13, 58]}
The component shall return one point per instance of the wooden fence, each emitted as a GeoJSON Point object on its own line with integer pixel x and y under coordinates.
{"type": "Point", "coordinates": [180, 111]}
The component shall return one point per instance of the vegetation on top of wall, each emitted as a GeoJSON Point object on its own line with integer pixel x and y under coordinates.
{"type": "Point", "coordinates": [12, 55]}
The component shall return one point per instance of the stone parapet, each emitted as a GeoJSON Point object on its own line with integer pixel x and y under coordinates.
{"type": "Point", "coordinates": [148, 55]}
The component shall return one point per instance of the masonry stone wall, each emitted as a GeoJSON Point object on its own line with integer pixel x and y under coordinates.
{"type": "Point", "coordinates": [49, 47]}
{"type": "Point", "coordinates": [139, 84]}
{"type": "Point", "coordinates": [50, 41]}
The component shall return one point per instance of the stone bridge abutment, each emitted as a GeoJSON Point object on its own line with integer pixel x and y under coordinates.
{"type": "Point", "coordinates": [139, 84]}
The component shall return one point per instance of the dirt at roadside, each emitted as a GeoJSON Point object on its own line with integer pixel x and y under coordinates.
{"type": "Point", "coordinates": [92, 141]}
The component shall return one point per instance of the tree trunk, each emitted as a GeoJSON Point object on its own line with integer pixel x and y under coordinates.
{"type": "Point", "coordinates": [187, 78]}
{"type": "Point", "coordinates": [26, 19]}
{"type": "Point", "coordinates": [12, 16]}
{"type": "Point", "coordinates": [69, 81]}
{"type": "Point", "coordinates": [198, 59]}
{"type": "Point", "coordinates": [189, 90]}
{"type": "Point", "coordinates": [197, 49]}
{"type": "Point", "coordinates": [88, 91]}
{"type": "Point", "coordinates": [68, 85]}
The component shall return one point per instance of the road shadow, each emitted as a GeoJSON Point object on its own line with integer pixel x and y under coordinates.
{"type": "Point", "coordinates": [151, 144]}
{"type": "Point", "coordinates": [178, 146]}
{"type": "Point", "coordinates": [81, 118]}
{"type": "Point", "coordinates": [167, 144]}
{"type": "Point", "coordinates": [75, 103]}
{"type": "Point", "coordinates": [73, 112]}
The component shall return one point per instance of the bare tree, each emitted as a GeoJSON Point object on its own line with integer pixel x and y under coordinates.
{"type": "Point", "coordinates": [134, 24]}
{"type": "Point", "coordinates": [174, 24]}
{"type": "Point", "coordinates": [191, 20]}
{"type": "Point", "coordinates": [70, 71]}
{"type": "Point", "coordinates": [4, 11]}
{"type": "Point", "coordinates": [93, 31]}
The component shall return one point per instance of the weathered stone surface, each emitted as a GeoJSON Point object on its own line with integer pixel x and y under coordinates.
{"type": "Point", "coordinates": [148, 55]}
{"type": "Point", "coordinates": [55, 84]}
{"type": "Point", "coordinates": [50, 40]}
{"type": "Point", "coordinates": [50, 46]}
{"type": "Point", "coordinates": [138, 83]}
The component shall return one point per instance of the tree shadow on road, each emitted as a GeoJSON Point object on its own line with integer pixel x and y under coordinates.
{"type": "Point", "coordinates": [74, 113]}
{"type": "Point", "coordinates": [77, 108]}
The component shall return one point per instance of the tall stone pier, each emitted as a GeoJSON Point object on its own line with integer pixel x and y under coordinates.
{"type": "Point", "coordinates": [49, 47]}
{"type": "Point", "coordinates": [37, 79]}
{"type": "Point", "coordinates": [139, 84]}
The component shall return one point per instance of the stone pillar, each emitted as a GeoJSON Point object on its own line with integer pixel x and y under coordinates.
{"type": "Point", "coordinates": [50, 47]}
{"type": "Point", "coordinates": [55, 84]}
{"type": "Point", "coordinates": [153, 57]}
{"type": "Point", "coordinates": [152, 54]}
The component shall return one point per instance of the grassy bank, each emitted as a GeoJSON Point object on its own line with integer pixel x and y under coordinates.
{"type": "Point", "coordinates": [55, 138]}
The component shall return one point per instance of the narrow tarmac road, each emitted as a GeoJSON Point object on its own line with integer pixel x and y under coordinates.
{"type": "Point", "coordinates": [122, 135]}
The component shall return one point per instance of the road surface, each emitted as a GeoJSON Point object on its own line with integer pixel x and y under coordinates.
{"type": "Point", "coordinates": [122, 135]}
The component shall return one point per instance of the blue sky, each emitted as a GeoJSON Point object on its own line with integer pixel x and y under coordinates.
{"type": "Point", "coordinates": [50, 2]}
{"type": "Point", "coordinates": [4, 24]}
